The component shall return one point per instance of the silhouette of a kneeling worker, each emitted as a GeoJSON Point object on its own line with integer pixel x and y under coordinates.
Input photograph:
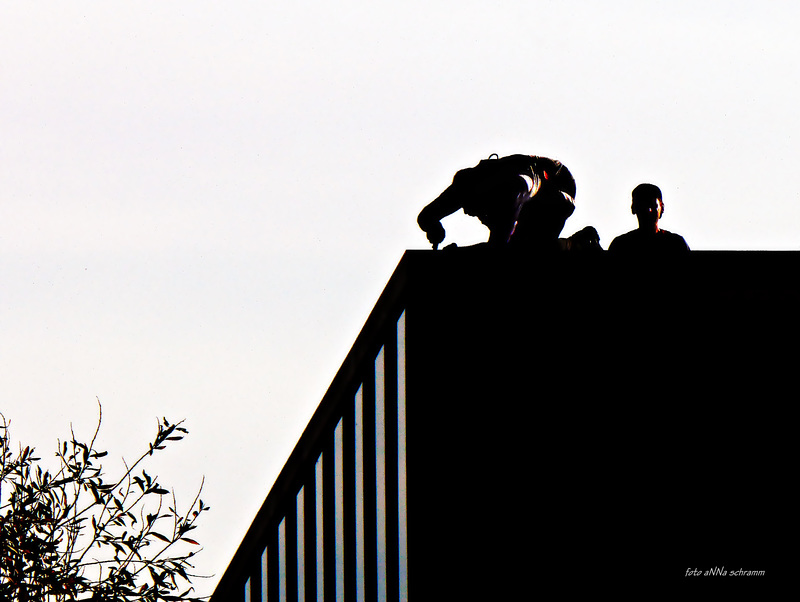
{"type": "Point", "coordinates": [649, 238]}
{"type": "Point", "coordinates": [524, 200]}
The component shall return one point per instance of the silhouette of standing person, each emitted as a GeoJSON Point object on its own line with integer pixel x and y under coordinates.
{"type": "Point", "coordinates": [649, 238]}
{"type": "Point", "coordinates": [524, 200]}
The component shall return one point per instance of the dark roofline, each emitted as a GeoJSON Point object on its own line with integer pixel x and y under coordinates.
{"type": "Point", "coordinates": [311, 443]}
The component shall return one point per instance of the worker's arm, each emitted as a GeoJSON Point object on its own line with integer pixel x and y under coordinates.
{"type": "Point", "coordinates": [430, 217]}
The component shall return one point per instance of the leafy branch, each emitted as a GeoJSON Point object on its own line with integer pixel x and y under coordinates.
{"type": "Point", "coordinates": [70, 535]}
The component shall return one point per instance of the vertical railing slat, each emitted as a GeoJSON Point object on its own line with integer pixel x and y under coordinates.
{"type": "Point", "coordinates": [380, 475]}
{"type": "Point", "coordinates": [329, 519]}
{"type": "Point", "coordinates": [320, 532]}
{"type": "Point", "coordinates": [273, 567]}
{"type": "Point", "coordinates": [359, 492]}
{"type": "Point", "coordinates": [339, 513]}
{"type": "Point", "coordinates": [370, 495]}
{"type": "Point", "coordinates": [402, 508]}
{"type": "Point", "coordinates": [349, 501]}
{"type": "Point", "coordinates": [254, 593]}
{"type": "Point", "coordinates": [281, 577]}
{"type": "Point", "coordinates": [391, 483]}
{"type": "Point", "coordinates": [310, 535]}
{"type": "Point", "coordinates": [300, 543]}
{"type": "Point", "coordinates": [263, 594]}
{"type": "Point", "coordinates": [290, 551]}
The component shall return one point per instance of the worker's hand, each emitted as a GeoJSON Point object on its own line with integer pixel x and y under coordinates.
{"type": "Point", "coordinates": [435, 234]}
{"type": "Point", "coordinates": [585, 240]}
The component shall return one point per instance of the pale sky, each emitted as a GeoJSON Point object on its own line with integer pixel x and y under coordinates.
{"type": "Point", "coordinates": [200, 202]}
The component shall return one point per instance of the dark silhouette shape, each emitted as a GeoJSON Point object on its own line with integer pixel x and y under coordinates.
{"type": "Point", "coordinates": [524, 200]}
{"type": "Point", "coordinates": [648, 206]}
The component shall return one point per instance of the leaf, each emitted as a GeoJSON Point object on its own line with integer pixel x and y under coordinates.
{"type": "Point", "coordinates": [186, 527]}
{"type": "Point", "coordinates": [96, 494]}
{"type": "Point", "coordinates": [47, 519]}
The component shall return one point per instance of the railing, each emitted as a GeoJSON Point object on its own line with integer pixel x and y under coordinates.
{"type": "Point", "coordinates": [334, 526]}
{"type": "Point", "coordinates": [509, 423]}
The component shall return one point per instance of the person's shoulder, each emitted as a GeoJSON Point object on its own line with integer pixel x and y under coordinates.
{"type": "Point", "coordinates": [674, 239]}
{"type": "Point", "coordinates": [628, 235]}
{"type": "Point", "coordinates": [623, 240]}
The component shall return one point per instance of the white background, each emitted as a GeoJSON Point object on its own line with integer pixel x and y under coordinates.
{"type": "Point", "coordinates": [200, 202]}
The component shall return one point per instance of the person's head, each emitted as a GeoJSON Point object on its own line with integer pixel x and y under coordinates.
{"type": "Point", "coordinates": [647, 204]}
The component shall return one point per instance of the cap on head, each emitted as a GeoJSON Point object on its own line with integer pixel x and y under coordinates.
{"type": "Point", "coordinates": [644, 193]}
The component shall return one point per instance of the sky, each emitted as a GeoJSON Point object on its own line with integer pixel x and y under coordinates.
{"type": "Point", "coordinates": [200, 202]}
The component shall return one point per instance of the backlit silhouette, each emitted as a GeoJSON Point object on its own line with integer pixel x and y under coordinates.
{"type": "Point", "coordinates": [649, 238]}
{"type": "Point", "coordinates": [524, 200]}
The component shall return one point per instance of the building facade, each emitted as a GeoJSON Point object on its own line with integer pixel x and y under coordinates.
{"type": "Point", "coordinates": [506, 424]}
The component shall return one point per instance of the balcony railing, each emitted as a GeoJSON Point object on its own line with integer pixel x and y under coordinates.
{"type": "Point", "coordinates": [334, 526]}
{"type": "Point", "coordinates": [508, 424]}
